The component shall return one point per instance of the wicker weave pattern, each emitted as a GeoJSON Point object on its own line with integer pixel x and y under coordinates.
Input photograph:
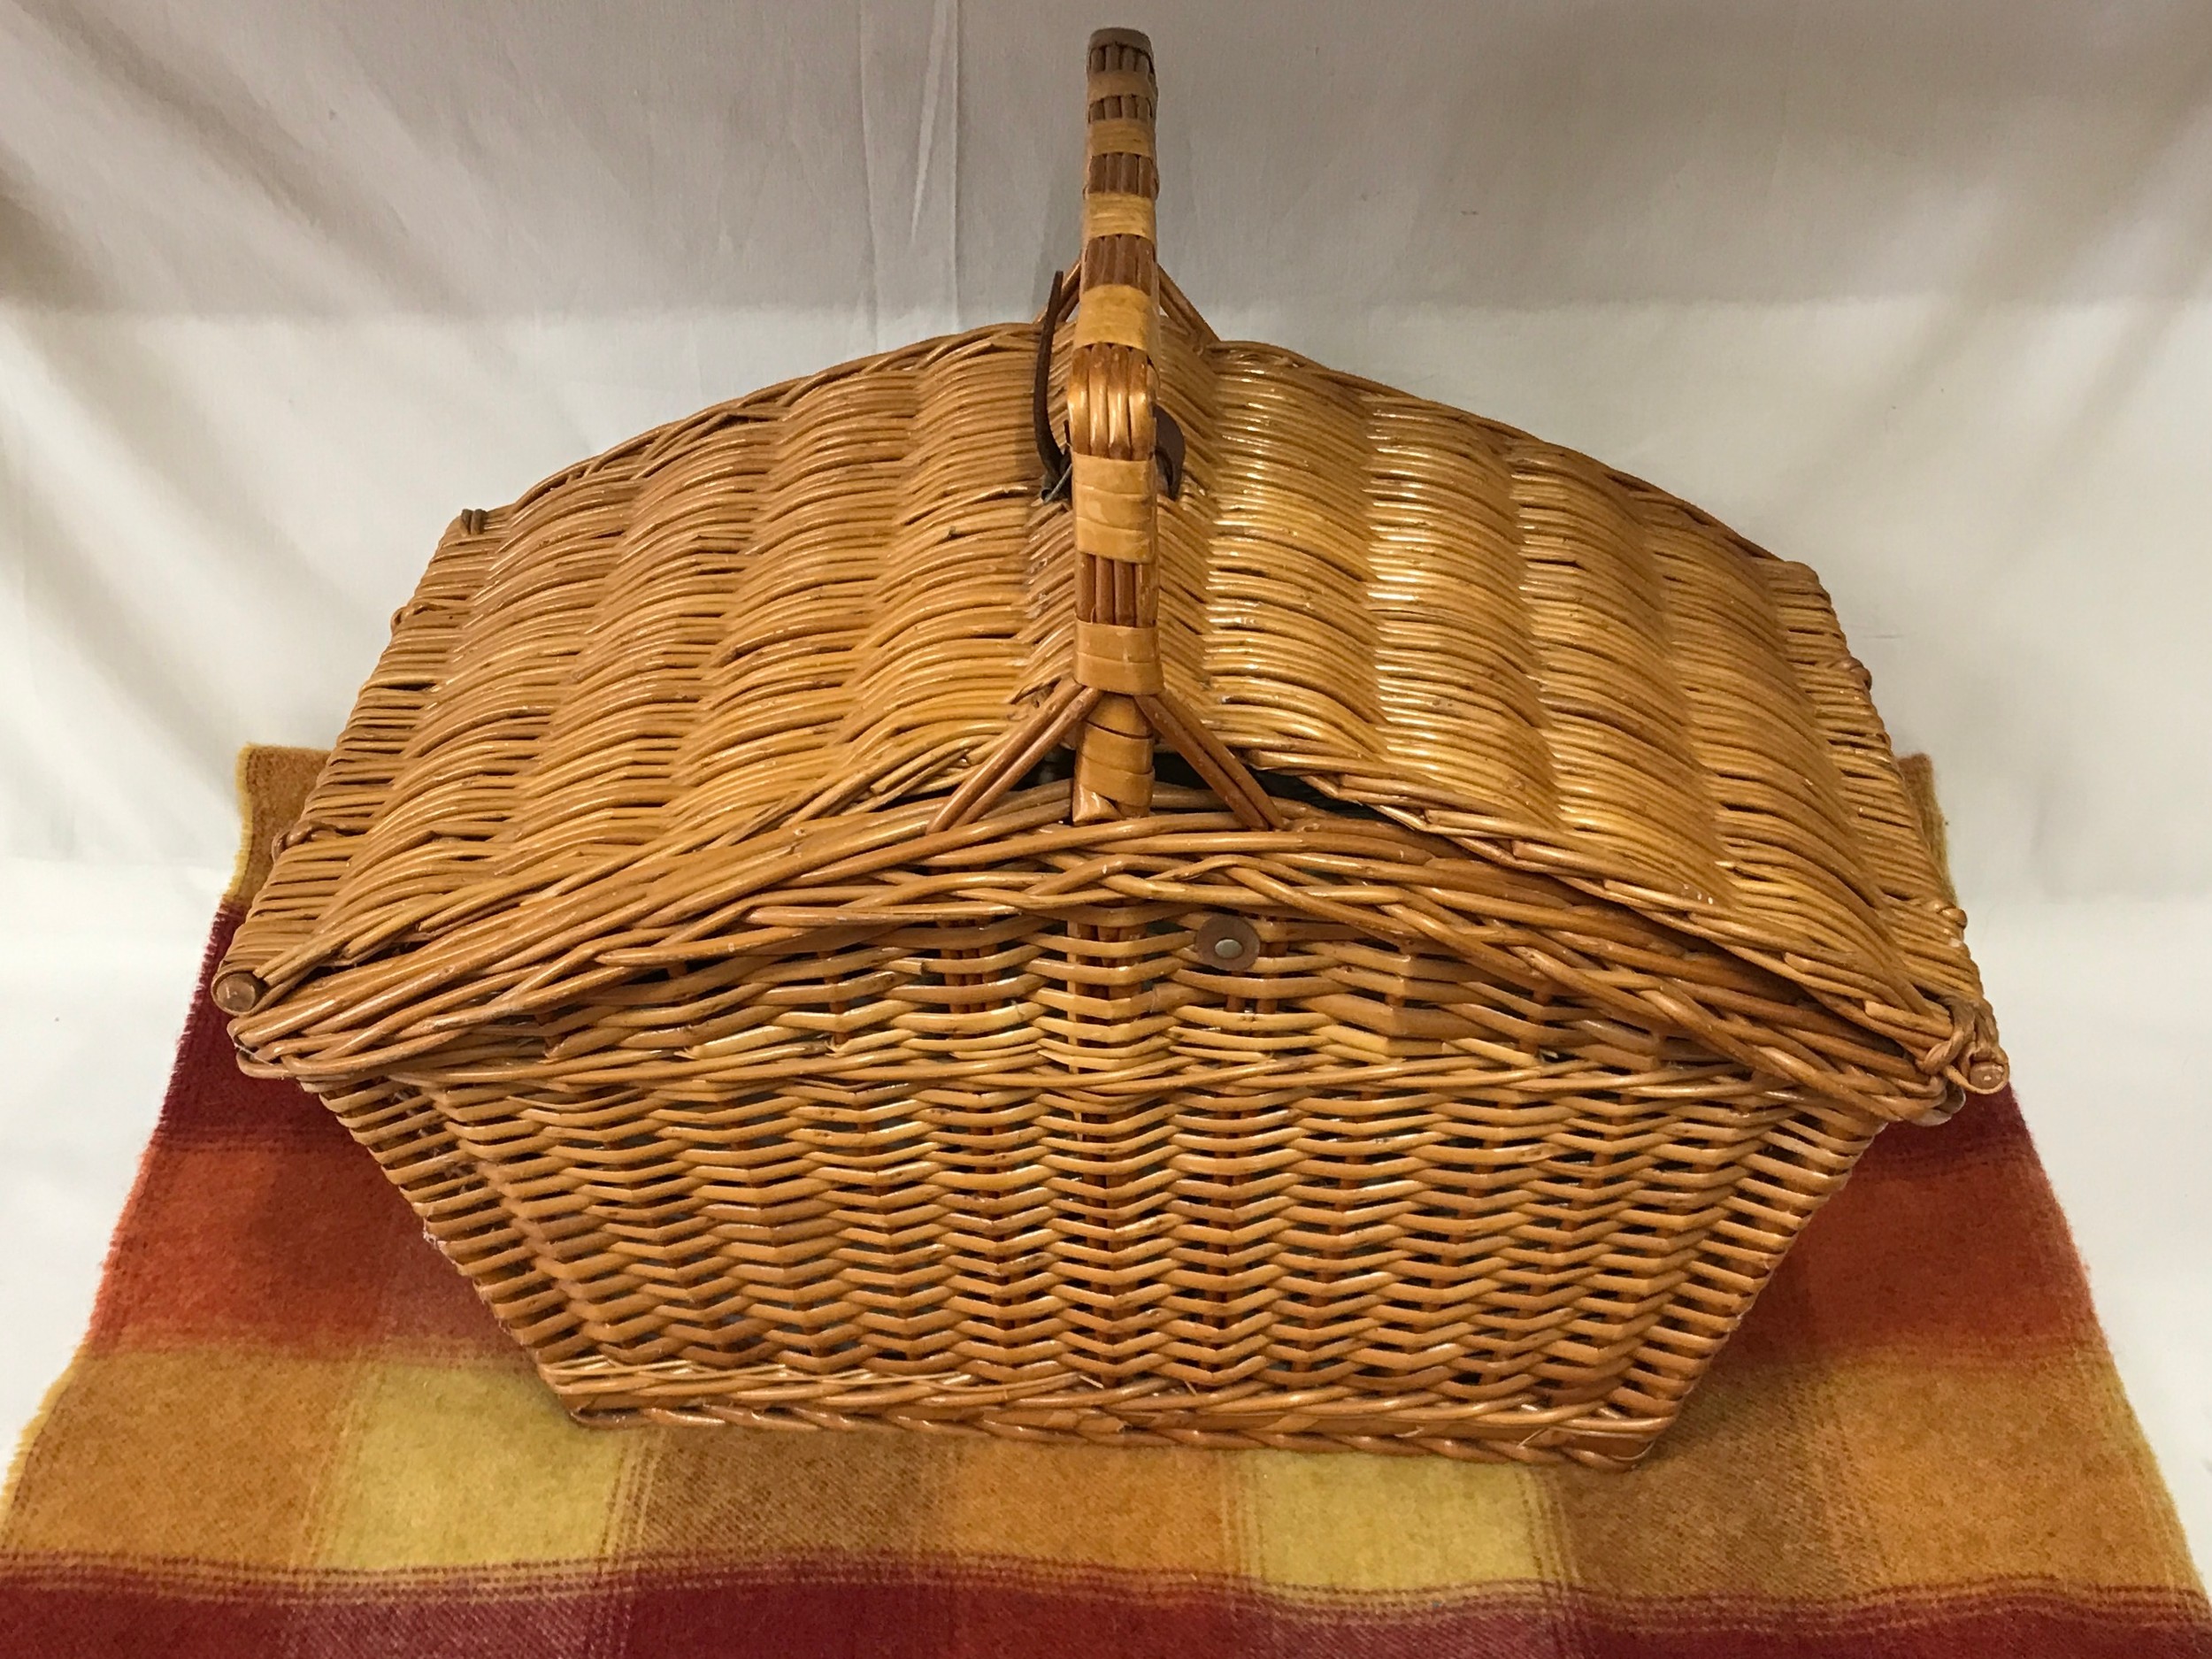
{"type": "Point", "coordinates": [682, 922]}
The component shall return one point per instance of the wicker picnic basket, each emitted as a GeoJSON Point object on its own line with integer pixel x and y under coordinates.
{"type": "Point", "coordinates": [1302, 918]}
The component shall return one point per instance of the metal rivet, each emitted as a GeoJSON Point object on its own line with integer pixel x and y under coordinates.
{"type": "Point", "coordinates": [1227, 941]}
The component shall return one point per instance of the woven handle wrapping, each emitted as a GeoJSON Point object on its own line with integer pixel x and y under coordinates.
{"type": "Point", "coordinates": [1111, 386]}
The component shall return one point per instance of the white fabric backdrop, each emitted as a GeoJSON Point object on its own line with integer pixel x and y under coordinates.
{"type": "Point", "coordinates": [1920, 293]}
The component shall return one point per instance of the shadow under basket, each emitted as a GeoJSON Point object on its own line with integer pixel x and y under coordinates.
{"type": "Point", "coordinates": [1082, 879]}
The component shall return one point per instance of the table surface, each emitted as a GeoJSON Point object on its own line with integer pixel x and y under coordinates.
{"type": "Point", "coordinates": [2102, 1005]}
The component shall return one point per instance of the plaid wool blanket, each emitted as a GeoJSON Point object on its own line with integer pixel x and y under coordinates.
{"type": "Point", "coordinates": [293, 1432]}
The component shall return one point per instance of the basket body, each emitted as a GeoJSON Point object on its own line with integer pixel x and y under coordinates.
{"type": "Point", "coordinates": [746, 915]}
{"type": "Point", "coordinates": [1056, 1174]}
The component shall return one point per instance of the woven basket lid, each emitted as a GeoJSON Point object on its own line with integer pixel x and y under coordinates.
{"type": "Point", "coordinates": [847, 593]}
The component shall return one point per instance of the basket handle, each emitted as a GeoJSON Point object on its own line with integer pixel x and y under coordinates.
{"type": "Point", "coordinates": [1114, 701]}
{"type": "Point", "coordinates": [1052, 460]}
{"type": "Point", "coordinates": [1112, 384]}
